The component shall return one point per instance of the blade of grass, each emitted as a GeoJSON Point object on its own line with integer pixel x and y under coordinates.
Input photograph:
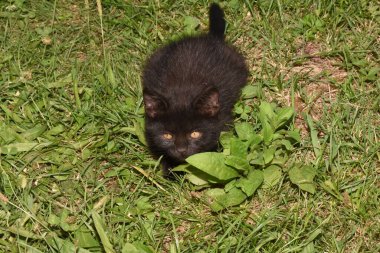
{"type": "Point", "coordinates": [314, 137]}
{"type": "Point", "coordinates": [99, 225]}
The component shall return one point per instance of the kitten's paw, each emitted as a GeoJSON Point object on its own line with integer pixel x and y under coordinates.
{"type": "Point", "coordinates": [167, 173]}
{"type": "Point", "coordinates": [166, 168]}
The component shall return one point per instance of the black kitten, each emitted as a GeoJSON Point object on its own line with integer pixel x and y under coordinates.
{"type": "Point", "coordinates": [190, 87]}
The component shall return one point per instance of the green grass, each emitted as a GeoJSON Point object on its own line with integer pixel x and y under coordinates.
{"type": "Point", "coordinates": [74, 169]}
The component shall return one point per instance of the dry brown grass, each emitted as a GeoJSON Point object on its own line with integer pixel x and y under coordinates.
{"type": "Point", "coordinates": [317, 83]}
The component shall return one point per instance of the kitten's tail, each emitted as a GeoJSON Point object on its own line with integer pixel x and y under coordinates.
{"type": "Point", "coordinates": [217, 23]}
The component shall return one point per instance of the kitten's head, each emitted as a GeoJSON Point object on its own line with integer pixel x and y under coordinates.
{"type": "Point", "coordinates": [180, 132]}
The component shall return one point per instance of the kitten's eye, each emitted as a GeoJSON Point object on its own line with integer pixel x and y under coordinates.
{"type": "Point", "coordinates": [167, 136]}
{"type": "Point", "coordinates": [195, 135]}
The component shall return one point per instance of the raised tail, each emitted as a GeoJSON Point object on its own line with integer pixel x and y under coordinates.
{"type": "Point", "coordinates": [217, 23]}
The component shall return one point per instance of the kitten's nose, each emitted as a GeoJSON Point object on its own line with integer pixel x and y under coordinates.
{"type": "Point", "coordinates": [182, 150]}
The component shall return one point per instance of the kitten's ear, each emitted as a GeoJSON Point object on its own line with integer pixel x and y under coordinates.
{"type": "Point", "coordinates": [154, 106]}
{"type": "Point", "coordinates": [208, 103]}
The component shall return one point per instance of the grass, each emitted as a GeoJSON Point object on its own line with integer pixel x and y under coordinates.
{"type": "Point", "coordinates": [75, 172]}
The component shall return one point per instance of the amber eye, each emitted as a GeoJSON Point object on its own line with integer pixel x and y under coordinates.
{"type": "Point", "coordinates": [195, 135]}
{"type": "Point", "coordinates": [167, 136]}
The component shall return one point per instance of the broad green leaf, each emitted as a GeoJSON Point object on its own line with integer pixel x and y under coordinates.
{"type": "Point", "coordinates": [272, 176]}
{"type": "Point", "coordinates": [334, 148]}
{"type": "Point", "coordinates": [64, 224]}
{"type": "Point", "coordinates": [8, 135]}
{"type": "Point", "coordinates": [267, 133]}
{"type": "Point", "coordinates": [303, 177]}
{"type": "Point", "coordinates": [110, 146]}
{"type": "Point", "coordinates": [81, 144]}
{"type": "Point", "coordinates": [6, 184]}
{"type": "Point", "coordinates": [220, 199]}
{"type": "Point", "coordinates": [191, 23]}
{"type": "Point", "coordinates": [85, 239]}
{"type": "Point", "coordinates": [230, 185]}
{"type": "Point", "coordinates": [100, 229]}
{"type": "Point", "coordinates": [269, 236]}
{"type": "Point", "coordinates": [268, 155]}
{"type": "Point", "coordinates": [103, 140]}
{"type": "Point", "coordinates": [280, 157]}
{"type": "Point", "coordinates": [250, 91]}
{"type": "Point", "coordinates": [266, 112]}
{"type": "Point", "coordinates": [255, 140]}
{"type": "Point", "coordinates": [309, 248]}
{"type": "Point", "coordinates": [238, 108]}
{"type": "Point", "coordinates": [213, 194]}
{"type": "Point", "coordinates": [15, 148]}
{"type": "Point", "coordinates": [64, 246]}
{"type": "Point", "coordinates": [130, 248]}
{"type": "Point", "coordinates": [54, 219]}
{"type": "Point", "coordinates": [233, 197]}
{"type": "Point", "coordinates": [195, 180]}
{"type": "Point", "coordinates": [55, 130]}
{"type": "Point", "coordinates": [111, 77]}
{"type": "Point", "coordinates": [213, 164]}
{"type": "Point", "coordinates": [64, 81]}
{"type": "Point", "coordinates": [225, 139]}
{"type": "Point", "coordinates": [140, 132]}
{"type": "Point", "coordinates": [314, 137]}
{"type": "Point", "coordinates": [143, 205]}
{"type": "Point", "coordinates": [250, 184]}
{"type": "Point", "coordinates": [256, 159]}
{"type": "Point", "coordinates": [372, 74]}
{"type": "Point", "coordinates": [196, 176]}
{"type": "Point", "coordinates": [283, 116]}
{"type": "Point", "coordinates": [360, 63]}
{"type": "Point", "coordinates": [314, 235]}
{"type": "Point", "coordinates": [19, 231]}
{"type": "Point", "coordinates": [331, 188]}
{"type": "Point", "coordinates": [278, 136]}
{"type": "Point", "coordinates": [34, 132]}
{"type": "Point", "coordinates": [86, 153]}
{"type": "Point", "coordinates": [11, 114]}
{"type": "Point", "coordinates": [183, 167]}
{"type": "Point", "coordinates": [41, 31]}
{"type": "Point", "coordinates": [295, 135]}
{"type": "Point", "coordinates": [238, 148]}
{"type": "Point", "coordinates": [244, 130]}
{"type": "Point", "coordinates": [238, 163]}
{"type": "Point", "coordinates": [287, 144]}
{"type": "Point", "coordinates": [136, 247]}
{"type": "Point", "coordinates": [236, 5]}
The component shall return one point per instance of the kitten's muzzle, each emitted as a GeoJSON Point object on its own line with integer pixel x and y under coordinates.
{"type": "Point", "coordinates": [182, 151]}
{"type": "Point", "coordinates": [180, 154]}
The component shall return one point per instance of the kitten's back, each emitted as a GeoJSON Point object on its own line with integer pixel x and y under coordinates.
{"type": "Point", "coordinates": [185, 68]}
{"type": "Point", "coordinates": [190, 86]}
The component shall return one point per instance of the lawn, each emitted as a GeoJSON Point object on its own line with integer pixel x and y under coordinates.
{"type": "Point", "coordinates": [76, 176]}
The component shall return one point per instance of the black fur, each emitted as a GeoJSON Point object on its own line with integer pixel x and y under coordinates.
{"type": "Point", "coordinates": [217, 23]}
{"type": "Point", "coordinates": [191, 85]}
